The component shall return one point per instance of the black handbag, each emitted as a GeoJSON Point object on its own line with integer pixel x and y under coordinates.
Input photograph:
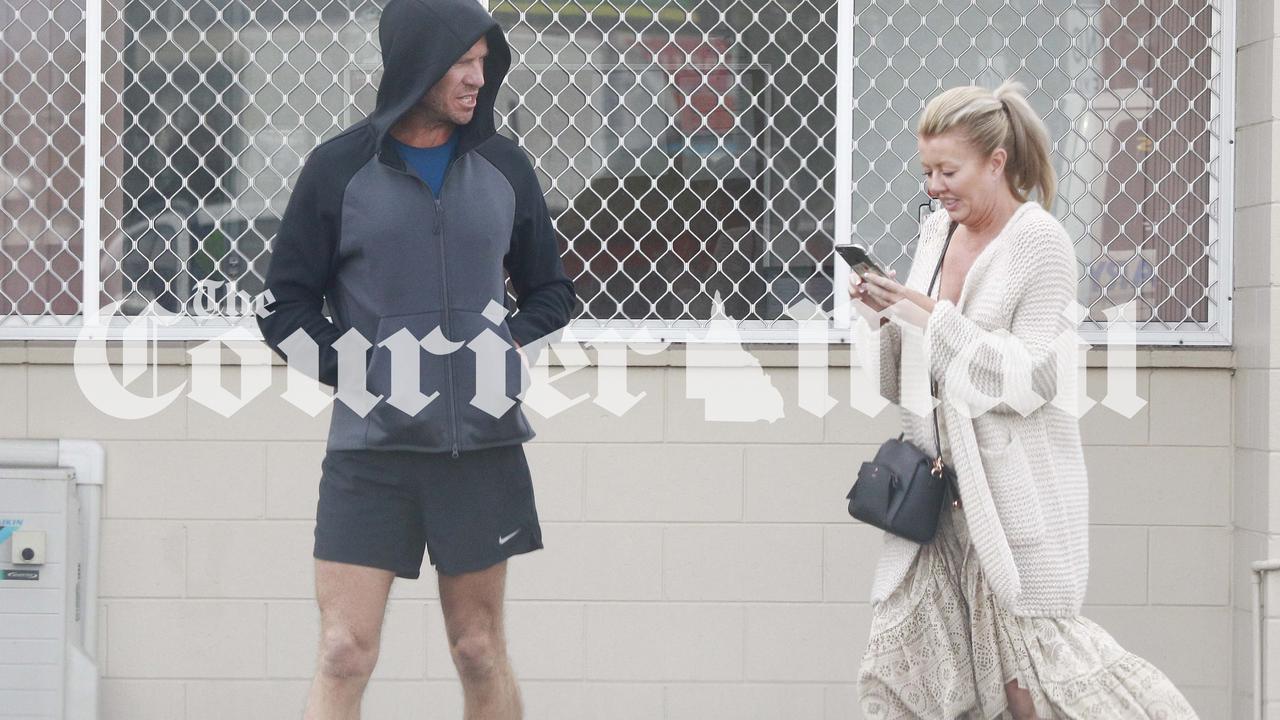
{"type": "Point", "coordinates": [903, 490]}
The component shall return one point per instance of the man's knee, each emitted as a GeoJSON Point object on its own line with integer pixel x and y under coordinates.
{"type": "Point", "coordinates": [345, 655]}
{"type": "Point", "coordinates": [478, 654]}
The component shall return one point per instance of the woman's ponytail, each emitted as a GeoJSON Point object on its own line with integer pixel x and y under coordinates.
{"type": "Point", "coordinates": [1029, 166]}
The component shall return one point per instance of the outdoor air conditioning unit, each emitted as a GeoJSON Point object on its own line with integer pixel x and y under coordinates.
{"type": "Point", "coordinates": [50, 495]}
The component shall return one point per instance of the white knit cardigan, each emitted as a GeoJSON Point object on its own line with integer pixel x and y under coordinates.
{"type": "Point", "coordinates": [1021, 471]}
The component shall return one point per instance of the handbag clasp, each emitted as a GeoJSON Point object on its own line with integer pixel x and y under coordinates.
{"type": "Point", "coordinates": [936, 471]}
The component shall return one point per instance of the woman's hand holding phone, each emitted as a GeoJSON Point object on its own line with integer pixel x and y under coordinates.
{"type": "Point", "coordinates": [861, 264]}
{"type": "Point", "coordinates": [858, 290]}
{"type": "Point", "coordinates": [881, 290]}
{"type": "Point", "coordinates": [881, 293]}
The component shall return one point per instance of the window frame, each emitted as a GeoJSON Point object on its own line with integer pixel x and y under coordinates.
{"type": "Point", "coordinates": [1219, 243]}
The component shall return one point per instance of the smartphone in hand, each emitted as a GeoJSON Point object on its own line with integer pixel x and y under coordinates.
{"type": "Point", "coordinates": [860, 260]}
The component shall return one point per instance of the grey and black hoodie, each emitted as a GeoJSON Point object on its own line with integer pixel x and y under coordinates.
{"type": "Point", "coordinates": [363, 232]}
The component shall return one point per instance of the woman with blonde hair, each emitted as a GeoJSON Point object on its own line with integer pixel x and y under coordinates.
{"type": "Point", "coordinates": [984, 621]}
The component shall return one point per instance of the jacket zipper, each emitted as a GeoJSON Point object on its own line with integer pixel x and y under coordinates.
{"type": "Point", "coordinates": [438, 230]}
{"type": "Point", "coordinates": [444, 284]}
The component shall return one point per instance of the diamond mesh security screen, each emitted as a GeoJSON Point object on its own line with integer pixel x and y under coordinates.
{"type": "Point", "coordinates": [687, 146]}
{"type": "Point", "coordinates": [1133, 95]}
{"type": "Point", "coordinates": [41, 126]}
{"type": "Point", "coordinates": [219, 104]}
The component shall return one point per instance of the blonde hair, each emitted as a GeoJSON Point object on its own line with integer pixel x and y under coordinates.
{"type": "Point", "coordinates": [991, 120]}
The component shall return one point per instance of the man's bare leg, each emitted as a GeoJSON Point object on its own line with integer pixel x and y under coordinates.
{"type": "Point", "coordinates": [472, 605]}
{"type": "Point", "coordinates": [353, 600]}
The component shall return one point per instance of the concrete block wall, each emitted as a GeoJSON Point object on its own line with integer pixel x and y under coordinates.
{"type": "Point", "coordinates": [1256, 315]}
{"type": "Point", "coordinates": [692, 570]}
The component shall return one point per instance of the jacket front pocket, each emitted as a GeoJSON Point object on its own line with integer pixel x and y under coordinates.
{"type": "Point", "coordinates": [402, 420]}
{"type": "Point", "coordinates": [487, 382]}
{"type": "Point", "coordinates": [1013, 490]}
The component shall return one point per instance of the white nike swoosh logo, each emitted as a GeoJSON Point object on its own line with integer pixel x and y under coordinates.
{"type": "Point", "coordinates": [503, 540]}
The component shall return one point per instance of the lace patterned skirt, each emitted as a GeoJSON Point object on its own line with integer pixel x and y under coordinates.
{"type": "Point", "coordinates": [942, 647]}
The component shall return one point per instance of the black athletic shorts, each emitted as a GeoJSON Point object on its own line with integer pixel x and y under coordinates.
{"type": "Point", "coordinates": [381, 508]}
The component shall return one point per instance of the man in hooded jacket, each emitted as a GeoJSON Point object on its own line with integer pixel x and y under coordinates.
{"type": "Point", "coordinates": [404, 224]}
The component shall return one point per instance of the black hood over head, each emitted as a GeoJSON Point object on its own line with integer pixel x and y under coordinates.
{"type": "Point", "coordinates": [421, 40]}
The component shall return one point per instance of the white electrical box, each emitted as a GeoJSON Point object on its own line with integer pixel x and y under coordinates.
{"type": "Point", "coordinates": [41, 608]}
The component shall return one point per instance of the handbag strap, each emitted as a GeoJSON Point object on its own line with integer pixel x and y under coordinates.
{"type": "Point", "coordinates": [933, 384]}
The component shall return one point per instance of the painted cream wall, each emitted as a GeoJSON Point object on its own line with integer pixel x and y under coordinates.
{"type": "Point", "coordinates": [693, 570]}
{"type": "Point", "coordinates": [1257, 319]}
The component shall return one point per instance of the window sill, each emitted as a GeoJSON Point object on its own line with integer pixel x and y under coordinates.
{"type": "Point", "coordinates": [59, 352]}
